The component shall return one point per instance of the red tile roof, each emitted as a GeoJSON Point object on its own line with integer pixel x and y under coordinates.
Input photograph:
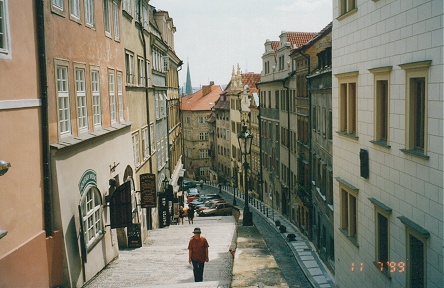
{"type": "Point", "coordinates": [275, 45]}
{"type": "Point", "coordinates": [300, 38]}
{"type": "Point", "coordinates": [197, 102]}
{"type": "Point", "coordinates": [251, 79]}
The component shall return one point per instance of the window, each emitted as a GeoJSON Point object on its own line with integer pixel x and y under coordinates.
{"type": "Point", "coordinates": [75, 8]}
{"type": "Point", "coordinates": [267, 67]}
{"type": "Point", "coordinates": [153, 146]}
{"type": "Point", "coordinates": [381, 104]}
{"type": "Point", "coordinates": [203, 136]}
{"type": "Point", "coordinates": [116, 20]}
{"type": "Point", "coordinates": [203, 153]}
{"type": "Point", "coordinates": [200, 120]}
{"type": "Point", "coordinates": [145, 143]}
{"type": "Point", "coordinates": [346, 6]}
{"type": "Point", "coordinates": [127, 6]}
{"type": "Point", "coordinates": [95, 89]}
{"type": "Point", "coordinates": [112, 97]}
{"type": "Point", "coordinates": [57, 4]}
{"type": "Point", "coordinates": [89, 12]}
{"type": "Point", "coordinates": [348, 103]}
{"type": "Point", "coordinates": [4, 45]}
{"type": "Point", "coordinates": [135, 139]}
{"type": "Point", "coordinates": [329, 125]}
{"type": "Point", "coordinates": [313, 119]}
{"type": "Point", "coordinates": [141, 70]}
{"type": "Point", "coordinates": [349, 211]}
{"type": "Point", "coordinates": [93, 226]}
{"type": "Point", "coordinates": [382, 236]}
{"type": "Point", "coordinates": [129, 64]}
{"type": "Point", "coordinates": [82, 117]}
{"type": "Point", "coordinates": [416, 107]}
{"type": "Point", "coordinates": [120, 96]}
{"type": "Point", "coordinates": [63, 100]}
{"type": "Point", "coordinates": [106, 17]}
{"type": "Point", "coordinates": [416, 254]}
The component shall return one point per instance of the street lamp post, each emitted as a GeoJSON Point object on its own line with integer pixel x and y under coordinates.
{"type": "Point", "coordinates": [234, 185]}
{"type": "Point", "coordinates": [245, 140]}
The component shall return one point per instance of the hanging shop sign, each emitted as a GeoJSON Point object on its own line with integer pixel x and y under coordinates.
{"type": "Point", "coordinates": [89, 177]}
{"type": "Point", "coordinates": [148, 190]}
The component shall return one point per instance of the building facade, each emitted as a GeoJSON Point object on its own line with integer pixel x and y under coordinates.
{"type": "Point", "coordinates": [28, 240]}
{"type": "Point", "coordinates": [196, 109]}
{"type": "Point", "coordinates": [89, 132]}
{"type": "Point", "coordinates": [388, 145]}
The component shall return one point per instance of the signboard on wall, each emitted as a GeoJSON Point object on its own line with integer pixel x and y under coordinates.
{"type": "Point", "coordinates": [148, 190]}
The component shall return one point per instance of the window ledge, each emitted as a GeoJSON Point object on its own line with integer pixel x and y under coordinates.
{"type": "Point", "coordinates": [384, 271]}
{"type": "Point", "coordinates": [415, 153]}
{"type": "Point", "coordinates": [381, 143]}
{"type": "Point", "coordinates": [331, 207]}
{"type": "Point", "coordinates": [346, 14]}
{"type": "Point", "coordinates": [351, 238]}
{"type": "Point", "coordinates": [348, 135]}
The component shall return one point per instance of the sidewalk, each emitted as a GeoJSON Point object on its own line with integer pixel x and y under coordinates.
{"type": "Point", "coordinates": [303, 250]}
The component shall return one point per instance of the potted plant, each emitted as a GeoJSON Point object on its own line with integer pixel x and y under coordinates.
{"type": "Point", "coordinates": [278, 223]}
{"type": "Point", "coordinates": [282, 228]}
{"type": "Point", "coordinates": [291, 237]}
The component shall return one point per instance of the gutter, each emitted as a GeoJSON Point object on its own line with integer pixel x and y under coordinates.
{"type": "Point", "coordinates": [40, 19]}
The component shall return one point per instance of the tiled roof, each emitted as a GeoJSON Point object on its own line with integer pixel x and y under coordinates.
{"type": "Point", "coordinates": [251, 79]}
{"type": "Point", "coordinates": [197, 102]}
{"type": "Point", "coordinates": [275, 45]}
{"type": "Point", "coordinates": [223, 105]}
{"type": "Point", "coordinates": [300, 38]}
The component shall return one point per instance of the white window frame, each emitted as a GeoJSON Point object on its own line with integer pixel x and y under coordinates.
{"type": "Point", "coordinates": [93, 225]}
{"type": "Point", "coordinates": [126, 6]}
{"type": "Point", "coordinates": [136, 148]}
{"type": "Point", "coordinates": [63, 101]}
{"type": "Point", "coordinates": [75, 9]}
{"type": "Point", "coordinates": [95, 90]}
{"type": "Point", "coordinates": [120, 96]}
{"type": "Point", "coordinates": [112, 96]}
{"type": "Point", "coordinates": [116, 20]}
{"type": "Point", "coordinates": [141, 68]}
{"type": "Point", "coordinates": [82, 107]}
{"type": "Point", "coordinates": [145, 143]}
{"type": "Point", "coordinates": [58, 4]}
{"type": "Point", "coordinates": [107, 17]}
{"type": "Point", "coordinates": [129, 64]}
{"type": "Point", "coordinates": [4, 23]}
{"type": "Point", "coordinates": [89, 13]}
{"type": "Point", "coordinates": [153, 141]}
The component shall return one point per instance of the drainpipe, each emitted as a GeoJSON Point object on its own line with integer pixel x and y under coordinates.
{"type": "Point", "coordinates": [287, 89]}
{"type": "Point", "coordinates": [310, 152]}
{"type": "Point", "coordinates": [142, 38]}
{"type": "Point", "coordinates": [44, 116]}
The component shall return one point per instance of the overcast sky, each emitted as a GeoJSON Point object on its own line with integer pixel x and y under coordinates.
{"type": "Point", "coordinates": [214, 35]}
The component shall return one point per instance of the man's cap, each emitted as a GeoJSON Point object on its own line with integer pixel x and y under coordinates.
{"type": "Point", "coordinates": [197, 230]}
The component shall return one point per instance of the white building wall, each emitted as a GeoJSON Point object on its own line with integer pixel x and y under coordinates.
{"type": "Point", "coordinates": [378, 34]}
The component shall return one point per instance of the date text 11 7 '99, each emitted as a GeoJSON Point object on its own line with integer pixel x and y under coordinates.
{"type": "Point", "coordinates": [391, 267]}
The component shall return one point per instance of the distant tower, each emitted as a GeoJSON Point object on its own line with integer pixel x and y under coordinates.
{"type": "Point", "coordinates": [188, 87]}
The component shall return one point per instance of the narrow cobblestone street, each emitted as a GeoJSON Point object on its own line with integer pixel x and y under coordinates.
{"type": "Point", "coordinates": [163, 260]}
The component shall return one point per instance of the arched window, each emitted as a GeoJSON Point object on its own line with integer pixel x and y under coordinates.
{"type": "Point", "coordinates": [92, 221]}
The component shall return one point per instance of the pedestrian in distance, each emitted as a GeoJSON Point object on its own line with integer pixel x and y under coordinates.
{"type": "Point", "coordinates": [181, 214]}
{"type": "Point", "coordinates": [198, 254]}
{"type": "Point", "coordinates": [190, 215]}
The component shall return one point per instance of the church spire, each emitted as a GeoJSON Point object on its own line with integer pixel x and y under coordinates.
{"type": "Point", "coordinates": [188, 87]}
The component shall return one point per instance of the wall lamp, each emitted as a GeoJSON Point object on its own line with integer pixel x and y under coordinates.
{"type": "Point", "coordinates": [4, 167]}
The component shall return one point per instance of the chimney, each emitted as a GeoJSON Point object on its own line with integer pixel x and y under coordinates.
{"type": "Point", "coordinates": [206, 89]}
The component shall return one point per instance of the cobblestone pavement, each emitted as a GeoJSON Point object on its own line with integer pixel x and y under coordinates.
{"type": "Point", "coordinates": [163, 260]}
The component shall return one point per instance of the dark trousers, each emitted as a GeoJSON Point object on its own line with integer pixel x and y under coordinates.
{"type": "Point", "coordinates": [198, 268]}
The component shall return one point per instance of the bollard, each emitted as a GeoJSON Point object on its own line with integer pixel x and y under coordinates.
{"type": "Point", "coordinates": [267, 212]}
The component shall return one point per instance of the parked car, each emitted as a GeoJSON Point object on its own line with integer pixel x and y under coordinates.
{"type": "Point", "coordinates": [188, 184]}
{"type": "Point", "coordinates": [192, 194]}
{"type": "Point", "coordinates": [220, 209]}
{"type": "Point", "coordinates": [209, 204]}
{"type": "Point", "coordinates": [203, 198]}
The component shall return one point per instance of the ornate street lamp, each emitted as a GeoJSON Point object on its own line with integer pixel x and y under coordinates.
{"type": "Point", "coordinates": [245, 140]}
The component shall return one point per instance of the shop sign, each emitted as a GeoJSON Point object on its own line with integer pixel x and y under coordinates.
{"type": "Point", "coordinates": [89, 177]}
{"type": "Point", "coordinates": [134, 236]}
{"type": "Point", "coordinates": [148, 190]}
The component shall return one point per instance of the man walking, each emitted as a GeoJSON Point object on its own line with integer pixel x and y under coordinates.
{"type": "Point", "coordinates": [198, 254]}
